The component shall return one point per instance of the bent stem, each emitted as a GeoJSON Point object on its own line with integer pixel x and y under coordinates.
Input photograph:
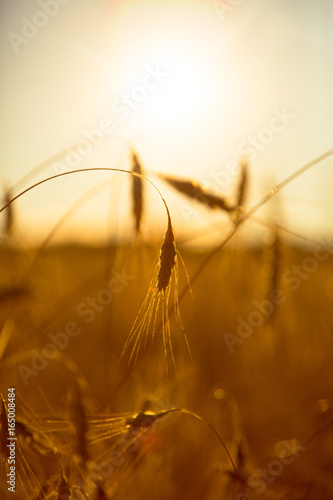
{"type": "Point", "coordinates": [201, 419]}
{"type": "Point", "coordinates": [95, 169]}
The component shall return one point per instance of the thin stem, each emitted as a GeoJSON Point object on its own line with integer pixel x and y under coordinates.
{"type": "Point", "coordinates": [201, 419]}
{"type": "Point", "coordinates": [96, 169]}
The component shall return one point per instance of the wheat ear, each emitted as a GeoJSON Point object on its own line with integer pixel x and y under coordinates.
{"type": "Point", "coordinates": [137, 192]}
{"type": "Point", "coordinates": [167, 259]}
{"type": "Point", "coordinates": [198, 193]}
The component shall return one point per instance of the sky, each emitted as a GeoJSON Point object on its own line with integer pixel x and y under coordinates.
{"type": "Point", "coordinates": [193, 86]}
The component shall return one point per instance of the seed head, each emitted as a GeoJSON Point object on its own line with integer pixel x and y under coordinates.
{"type": "Point", "coordinates": [137, 193]}
{"type": "Point", "coordinates": [167, 259]}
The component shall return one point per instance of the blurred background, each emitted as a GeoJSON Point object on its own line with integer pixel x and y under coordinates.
{"type": "Point", "coordinates": [192, 86]}
{"type": "Point", "coordinates": [195, 89]}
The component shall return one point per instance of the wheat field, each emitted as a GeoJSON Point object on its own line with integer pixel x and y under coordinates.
{"type": "Point", "coordinates": [146, 368]}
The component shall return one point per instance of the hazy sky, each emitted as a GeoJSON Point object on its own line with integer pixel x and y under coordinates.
{"type": "Point", "coordinates": [192, 84]}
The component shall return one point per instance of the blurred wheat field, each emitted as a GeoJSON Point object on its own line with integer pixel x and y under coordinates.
{"type": "Point", "coordinates": [259, 371]}
{"type": "Point", "coordinates": [166, 250]}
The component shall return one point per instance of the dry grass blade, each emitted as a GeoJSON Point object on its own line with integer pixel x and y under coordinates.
{"type": "Point", "coordinates": [137, 192]}
{"type": "Point", "coordinates": [196, 192]}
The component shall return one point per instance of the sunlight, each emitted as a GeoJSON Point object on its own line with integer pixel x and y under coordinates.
{"type": "Point", "coordinates": [184, 92]}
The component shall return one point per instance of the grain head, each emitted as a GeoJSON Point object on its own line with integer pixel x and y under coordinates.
{"type": "Point", "coordinates": [198, 193]}
{"type": "Point", "coordinates": [167, 258]}
{"type": "Point", "coordinates": [137, 192]}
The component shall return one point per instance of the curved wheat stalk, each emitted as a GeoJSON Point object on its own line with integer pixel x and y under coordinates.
{"type": "Point", "coordinates": [159, 290]}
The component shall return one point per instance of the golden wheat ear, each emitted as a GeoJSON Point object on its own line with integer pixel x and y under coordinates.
{"type": "Point", "coordinates": [167, 259]}
{"type": "Point", "coordinates": [197, 193]}
{"type": "Point", "coordinates": [137, 192]}
{"type": "Point", "coordinates": [165, 276]}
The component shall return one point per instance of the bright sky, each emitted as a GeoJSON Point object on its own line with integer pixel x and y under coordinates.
{"type": "Point", "coordinates": [192, 84]}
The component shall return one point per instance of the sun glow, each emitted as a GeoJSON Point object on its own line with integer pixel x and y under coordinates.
{"type": "Point", "coordinates": [184, 92]}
